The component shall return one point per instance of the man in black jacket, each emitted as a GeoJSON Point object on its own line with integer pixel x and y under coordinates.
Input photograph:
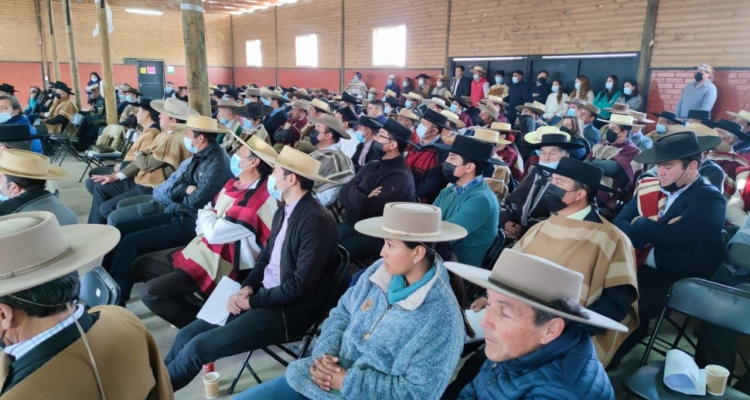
{"type": "Point", "coordinates": [518, 94]}
{"type": "Point", "coordinates": [460, 84]}
{"type": "Point", "coordinates": [367, 130]}
{"type": "Point", "coordinates": [205, 176]}
{"type": "Point", "coordinates": [376, 184]}
{"type": "Point", "coordinates": [288, 287]}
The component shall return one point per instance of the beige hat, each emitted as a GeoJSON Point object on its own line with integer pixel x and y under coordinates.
{"type": "Point", "coordinates": [411, 222]}
{"type": "Point", "coordinates": [301, 93]}
{"type": "Point", "coordinates": [536, 106]}
{"type": "Point", "coordinates": [126, 88]}
{"type": "Point", "coordinates": [231, 104]}
{"type": "Point", "coordinates": [259, 147]}
{"type": "Point", "coordinates": [706, 67]}
{"type": "Point", "coordinates": [626, 120]}
{"type": "Point", "coordinates": [441, 78]}
{"type": "Point", "coordinates": [478, 69]}
{"type": "Point", "coordinates": [94, 86]}
{"type": "Point", "coordinates": [373, 90]}
{"type": "Point", "coordinates": [490, 111]}
{"type": "Point", "coordinates": [174, 108]}
{"type": "Point", "coordinates": [700, 131]}
{"type": "Point", "coordinates": [30, 165]}
{"type": "Point", "coordinates": [452, 117]}
{"type": "Point", "coordinates": [413, 96]}
{"type": "Point", "coordinates": [436, 100]}
{"type": "Point", "coordinates": [37, 250]}
{"type": "Point", "coordinates": [640, 117]}
{"type": "Point", "coordinates": [390, 93]}
{"type": "Point", "coordinates": [300, 163]}
{"type": "Point", "coordinates": [577, 101]}
{"type": "Point", "coordinates": [503, 127]}
{"type": "Point", "coordinates": [535, 281]}
{"type": "Point", "coordinates": [407, 113]}
{"type": "Point", "coordinates": [619, 108]}
{"type": "Point", "coordinates": [331, 122]}
{"type": "Point", "coordinates": [252, 92]}
{"type": "Point", "coordinates": [494, 99]}
{"type": "Point", "coordinates": [490, 136]}
{"type": "Point", "coordinates": [536, 136]}
{"type": "Point", "coordinates": [742, 114]}
{"type": "Point", "coordinates": [205, 125]}
{"type": "Point", "coordinates": [274, 94]}
{"type": "Point", "coordinates": [302, 105]}
{"type": "Point", "coordinates": [320, 105]}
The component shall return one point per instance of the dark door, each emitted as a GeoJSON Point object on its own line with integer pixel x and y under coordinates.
{"type": "Point", "coordinates": [597, 69]}
{"type": "Point", "coordinates": [508, 66]}
{"type": "Point", "coordinates": [151, 78]}
{"type": "Point", "coordinates": [565, 70]}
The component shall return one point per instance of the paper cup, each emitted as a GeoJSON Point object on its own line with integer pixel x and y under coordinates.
{"type": "Point", "coordinates": [211, 384]}
{"type": "Point", "coordinates": [716, 379]}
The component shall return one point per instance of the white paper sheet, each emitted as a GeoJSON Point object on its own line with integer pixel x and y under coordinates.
{"type": "Point", "coordinates": [475, 321]}
{"type": "Point", "coordinates": [681, 374]}
{"type": "Point", "coordinates": [215, 310]}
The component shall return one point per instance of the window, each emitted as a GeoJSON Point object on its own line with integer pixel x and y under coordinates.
{"type": "Point", "coordinates": [307, 51]}
{"type": "Point", "coordinates": [252, 51]}
{"type": "Point", "coordinates": [389, 46]}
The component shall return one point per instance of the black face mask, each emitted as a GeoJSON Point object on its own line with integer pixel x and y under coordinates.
{"type": "Point", "coordinates": [542, 81]}
{"type": "Point", "coordinates": [672, 187]}
{"type": "Point", "coordinates": [449, 172]}
{"type": "Point", "coordinates": [611, 136]}
{"type": "Point", "coordinates": [699, 76]}
{"type": "Point", "coordinates": [314, 139]}
{"type": "Point", "coordinates": [378, 147]}
{"type": "Point", "coordinates": [553, 198]}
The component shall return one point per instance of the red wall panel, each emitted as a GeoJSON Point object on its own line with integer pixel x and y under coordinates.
{"type": "Point", "coordinates": [259, 76]}
{"type": "Point", "coordinates": [310, 78]}
{"type": "Point", "coordinates": [21, 75]}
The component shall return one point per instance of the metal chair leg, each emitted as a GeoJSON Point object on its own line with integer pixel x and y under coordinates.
{"type": "Point", "coordinates": [239, 373]}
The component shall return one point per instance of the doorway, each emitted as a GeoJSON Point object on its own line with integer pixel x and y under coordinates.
{"type": "Point", "coordinates": [151, 78]}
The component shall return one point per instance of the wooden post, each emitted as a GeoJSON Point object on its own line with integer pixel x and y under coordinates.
{"type": "Point", "coordinates": [45, 67]}
{"type": "Point", "coordinates": [194, 36]}
{"type": "Point", "coordinates": [53, 43]}
{"type": "Point", "coordinates": [447, 67]}
{"type": "Point", "coordinates": [276, 40]}
{"type": "Point", "coordinates": [108, 80]}
{"type": "Point", "coordinates": [75, 82]}
{"type": "Point", "coordinates": [231, 29]}
{"type": "Point", "coordinates": [647, 44]}
{"type": "Point", "coordinates": [343, 48]}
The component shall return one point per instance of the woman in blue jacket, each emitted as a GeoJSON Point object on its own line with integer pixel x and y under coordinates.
{"type": "Point", "coordinates": [607, 97]}
{"type": "Point", "coordinates": [398, 333]}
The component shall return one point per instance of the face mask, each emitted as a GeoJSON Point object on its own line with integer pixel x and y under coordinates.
{"type": "Point", "coordinates": [421, 81]}
{"type": "Point", "coordinates": [405, 84]}
{"type": "Point", "coordinates": [552, 165]}
{"type": "Point", "coordinates": [454, 109]}
{"type": "Point", "coordinates": [449, 172]}
{"type": "Point", "coordinates": [234, 165]}
{"type": "Point", "coordinates": [553, 198]}
{"type": "Point", "coordinates": [246, 101]}
{"type": "Point", "coordinates": [356, 79]}
{"type": "Point", "coordinates": [271, 186]}
{"type": "Point", "coordinates": [421, 130]}
{"type": "Point", "coordinates": [169, 90]}
{"type": "Point", "coordinates": [571, 112]}
{"type": "Point", "coordinates": [360, 136]}
{"type": "Point", "coordinates": [4, 117]}
{"type": "Point", "coordinates": [377, 146]}
{"type": "Point", "coordinates": [515, 79]}
{"type": "Point", "coordinates": [661, 128]}
{"type": "Point", "coordinates": [189, 145]}
{"type": "Point", "coordinates": [314, 139]}
{"type": "Point", "coordinates": [499, 80]}
{"type": "Point", "coordinates": [286, 96]}
{"type": "Point", "coordinates": [611, 136]}
{"type": "Point", "coordinates": [408, 103]}
{"type": "Point", "coordinates": [476, 77]}
{"type": "Point", "coordinates": [390, 82]}
{"type": "Point", "coordinates": [387, 109]}
{"type": "Point", "coordinates": [555, 89]}
{"type": "Point", "coordinates": [578, 85]}
{"type": "Point", "coordinates": [223, 121]}
{"type": "Point", "coordinates": [672, 187]}
{"type": "Point", "coordinates": [370, 96]}
{"type": "Point", "coordinates": [542, 81]}
{"type": "Point", "coordinates": [247, 124]}
{"type": "Point", "coordinates": [94, 79]}
{"type": "Point", "coordinates": [699, 76]}
{"type": "Point", "coordinates": [609, 85]}
{"type": "Point", "coordinates": [129, 98]}
{"type": "Point", "coordinates": [265, 101]}
{"type": "Point", "coordinates": [439, 84]}
{"type": "Point", "coordinates": [628, 91]}
{"type": "Point", "coordinates": [3, 197]}
{"type": "Point", "coordinates": [121, 97]}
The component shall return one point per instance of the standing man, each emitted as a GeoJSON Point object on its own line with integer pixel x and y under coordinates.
{"type": "Point", "coordinates": [460, 84]}
{"type": "Point", "coordinates": [698, 95]}
{"type": "Point", "coordinates": [500, 88]}
{"type": "Point", "coordinates": [356, 87]}
{"type": "Point", "coordinates": [423, 85]}
{"type": "Point", "coordinates": [392, 86]}
{"type": "Point", "coordinates": [542, 88]}
{"type": "Point", "coordinates": [480, 86]}
{"type": "Point", "coordinates": [518, 94]}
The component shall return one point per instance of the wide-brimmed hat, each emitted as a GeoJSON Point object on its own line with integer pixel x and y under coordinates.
{"type": "Point", "coordinates": [581, 172]}
{"type": "Point", "coordinates": [706, 67]}
{"type": "Point", "coordinates": [478, 68]}
{"type": "Point", "coordinates": [460, 100]}
{"type": "Point", "coordinates": [321, 105]}
{"type": "Point", "coordinates": [259, 148]}
{"type": "Point", "coordinates": [503, 127]}
{"type": "Point", "coordinates": [677, 146]}
{"type": "Point", "coordinates": [331, 122]}
{"type": "Point", "coordinates": [489, 136]}
{"type": "Point", "coordinates": [491, 112]}
{"type": "Point", "coordinates": [411, 222]}
{"type": "Point", "coordinates": [65, 88]}
{"type": "Point", "coordinates": [441, 77]}
{"type": "Point", "coordinates": [302, 94]}
{"type": "Point", "coordinates": [252, 92]}
{"type": "Point", "coordinates": [535, 137]}
{"type": "Point", "coordinates": [390, 93]}
{"type": "Point", "coordinates": [300, 163]}
{"type": "Point", "coordinates": [619, 108]}
{"type": "Point", "coordinates": [640, 117]}
{"type": "Point", "coordinates": [438, 101]}
{"type": "Point", "coordinates": [348, 98]}
{"type": "Point", "coordinates": [560, 139]}
{"type": "Point", "coordinates": [576, 101]}
{"type": "Point", "coordinates": [701, 131]}
{"type": "Point", "coordinates": [174, 108]}
{"type": "Point", "coordinates": [729, 126]}
{"type": "Point", "coordinates": [373, 90]}
{"type": "Point", "coordinates": [618, 119]}
{"type": "Point", "coordinates": [407, 113]}
{"type": "Point", "coordinates": [413, 95]}
{"type": "Point", "coordinates": [36, 249]}
{"type": "Point", "coordinates": [452, 117]}
{"type": "Point", "coordinates": [94, 87]}
{"type": "Point", "coordinates": [402, 133]}
{"type": "Point", "coordinates": [15, 133]}
{"type": "Point", "coordinates": [536, 282]}
{"type": "Point", "coordinates": [232, 92]}
{"type": "Point", "coordinates": [7, 88]}
{"type": "Point", "coordinates": [253, 110]}
{"type": "Point", "coordinates": [203, 124]}
{"type": "Point", "coordinates": [230, 104]}
{"type": "Point", "coordinates": [474, 150]}
{"type": "Point", "coordinates": [30, 165]}
{"type": "Point", "coordinates": [435, 118]}
{"type": "Point", "coordinates": [742, 114]}
{"type": "Point", "coordinates": [278, 95]}
{"type": "Point", "coordinates": [301, 104]}
{"type": "Point", "coordinates": [369, 122]}
{"type": "Point", "coordinates": [348, 115]}
{"type": "Point", "coordinates": [422, 75]}
{"type": "Point", "coordinates": [126, 88]}
{"type": "Point", "coordinates": [668, 115]}
{"type": "Point", "coordinates": [145, 103]}
{"type": "Point", "coordinates": [698, 114]}
{"type": "Point", "coordinates": [535, 106]}
{"type": "Point", "coordinates": [494, 99]}
{"type": "Point", "coordinates": [392, 101]}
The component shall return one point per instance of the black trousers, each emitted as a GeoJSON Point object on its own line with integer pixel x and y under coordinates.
{"type": "Point", "coordinates": [96, 171]}
{"type": "Point", "coordinates": [358, 245]}
{"type": "Point", "coordinates": [466, 374]}
{"type": "Point", "coordinates": [167, 289]}
{"type": "Point", "coordinates": [106, 197]}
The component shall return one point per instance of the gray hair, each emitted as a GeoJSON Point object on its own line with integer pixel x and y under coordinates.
{"type": "Point", "coordinates": [13, 102]}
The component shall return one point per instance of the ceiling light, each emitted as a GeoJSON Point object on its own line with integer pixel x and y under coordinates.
{"type": "Point", "coordinates": [143, 11]}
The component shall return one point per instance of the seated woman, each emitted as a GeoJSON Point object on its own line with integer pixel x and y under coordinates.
{"type": "Point", "coordinates": [382, 339]}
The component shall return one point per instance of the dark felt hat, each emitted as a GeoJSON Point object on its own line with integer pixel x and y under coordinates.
{"type": "Point", "coordinates": [253, 110]}
{"type": "Point", "coordinates": [392, 101]}
{"type": "Point", "coordinates": [556, 139]}
{"type": "Point", "coordinates": [145, 104]}
{"type": "Point", "coordinates": [348, 115]}
{"type": "Point", "coordinates": [698, 114]}
{"type": "Point", "coordinates": [472, 149]}
{"type": "Point", "coordinates": [64, 87]}
{"type": "Point", "coordinates": [346, 97]}
{"type": "Point", "coordinates": [581, 172]}
{"type": "Point", "coordinates": [15, 133]}
{"type": "Point", "coordinates": [729, 126]}
{"type": "Point", "coordinates": [8, 88]}
{"type": "Point", "coordinates": [676, 146]}
{"type": "Point", "coordinates": [422, 75]}
{"type": "Point", "coordinates": [668, 115]}
{"type": "Point", "coordinates": [232, 92]}
{"type": "Point", "coordinates": [369, 122]}
{"type": "Point", "coordinates": [402, 133]}
{"type": "Point", "coordinates": [435, 117]}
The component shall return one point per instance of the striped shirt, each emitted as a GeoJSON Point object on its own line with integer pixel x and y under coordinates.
{"type": "Point", "coordinates": [19, 350]}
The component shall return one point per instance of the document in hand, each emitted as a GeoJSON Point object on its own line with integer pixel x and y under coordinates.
{"type": "Point", "coordinates": [681, 374]}
{"type": "Point", "coordinates": [215, 310]}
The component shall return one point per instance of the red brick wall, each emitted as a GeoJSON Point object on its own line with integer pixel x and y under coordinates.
{"type": "Point", "coordinates": [310, 78]}
{"type": "Point", "coordinates": [733, 86]}
{"type": "Point", "coordinates": [379, 77]}
{"type": "Point", "coordinates": [21, 75]}
{"type": "Point", "coordinates": [259, 76]}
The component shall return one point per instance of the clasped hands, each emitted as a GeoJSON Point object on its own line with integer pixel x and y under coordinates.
{"type": "Point", "coordinates": [327, 373]}
{"type": "Point", "coordinates": [240, 301]}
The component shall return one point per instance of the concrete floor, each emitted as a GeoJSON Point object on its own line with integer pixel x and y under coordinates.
{"type": "Point", "coordinates": [74, 194]}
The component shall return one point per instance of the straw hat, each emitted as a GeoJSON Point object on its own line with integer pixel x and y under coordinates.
{"type": "Point", "coordinates": [372, 90]}
{"type": "Point", "coordinates": [390, 93]}
{"type": "Point", "coordinates": [536, 107]}
{"type": "Point", "coordinates": [259, 147]}
{"type": "Point", "coordinates": [494, 99]}
{"type": "Point", "coordinates": [231, 104]}
{"type": "Point", "coordinates": [742, 114]}
{"type": "Point", "coordinates": [205, 125]}
{"type": "Point", "coordinates": [626, 120]}
{"type": "Point", "coordinates": [411, 222]}
{"type": "Point", "coordinates": [407, 113]}
{"type": "Point", "coordinates": [302, 94]}
{"type": "Point", "coordinates": [576, 101]}
{"type": "Point", "coordinates": [27, 164]}
{"type": "Point", "coordinates": [36, 249]}
{"type": "Point", "coordinates": [490, 111]}
{"type": "Point", "coordinates": [302, 105]}
{"type": "Point", "coordinates": [452, 117]}
{"type": "Point", "coordinates": [331, 122]}
{"type": "Point", "coordinates": [536, 136]}
{"type": "Point", "coordinates": [701, 131]}
{"type": "Point", "coordinates": [536, 282]}
{"type": "Point", "coordinates": [436, 100]}
{"type": "Point", "coordinates": [299, 163]}
{"type": "Point", "coordinates": [489, 136]}
{"type": "Point", "coordinates": [174, 108]}
{"type": "Point", "coordinates": [321, 105]}
{"type": "Point", "coordinates": [619, 108]}
{"type": "Point", "coordinates": [503, 127]}
{"type": "Point", "coordinates": [413, 95]}
{"type": "Point", "coordinates": [706, 67]}
{"type": "Point", "coordinates": [640, 117]}
{"type": "Point", "coordinates": [477, 68]}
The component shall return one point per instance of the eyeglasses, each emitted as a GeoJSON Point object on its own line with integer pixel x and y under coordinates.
{"type": "Point", "coordinates": [385, 137]}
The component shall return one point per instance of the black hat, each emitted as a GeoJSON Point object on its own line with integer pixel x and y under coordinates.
{"type": "Point", "coordinates": [64, 87]}
{"type": "Point", "coordinates": [217, 93]}
{"type": "Point", "coordinates": [181, 87]}
{"type": "Point", "coordinates": [729, 126]}
{"type": "Point", "coordinates": [232, 92]}
{"type": "Point", "coordinates": [15, 133]}
{"type": "Point", "coordinates": [668, 115]}
{"type": "Point", "coordinates": [402, 133]}
{"type": "Point", "coordinates": [556, 139]}
{"type": "Point", "coordinates": [698, 114]}
{"type": "Point", "coordinates": [462, 102]}
{"type": "Point", "coordinates": [369, 122]}
{"type": "Point", "coordinates": [500, 72]}
{"type": "Point", "coordinates": [474, 150]}
{"type": "Point", "coordinates": [435, 117]}
{"type": "Point", "coordinates": [253, 110]}
{"type": "Point", "coordinates": [580, 172]}
{"type": "Point", "coordinates": [144, 103]}
{"type": "Point", "coordinates": [676, 146]}
{"type": "Point", "coordinates": [346, 97]}
{"type": "Point", "coordinates": [422, 75]}
{"type": "Point", "coordinates": [348, 115]}
{"type": "Point", "coordinates": [7, 88]}
{"type": "Point", "coordinates": [391, 100]}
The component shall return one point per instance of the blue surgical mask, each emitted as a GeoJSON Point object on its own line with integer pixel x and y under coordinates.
{"type": "Point", "coordinates": [476, 77]}
{"type": "Point", "coordinates": [390, 82]}
{"type": "Point", "coordinates": [405, 84]}
{"type": "Point", "coordinates": [266, 101]}
{"type": "Point", "coordinates": [246, 101]}
{"type": "Point", "coordinates": [129, 98]}
{"type": "Point", "coordinates": [387, 109]}
{"type": "Point", "coordinates": [370, 96]}
{"type": "Point", "coordinates": [4, 117]}
{"type": "Point", "coordinates": [169, 90]}
{"type": "Point", "coordinates": [3, 197]}
{"type": "Point", "coordinates": [121, 96]}
{"type": "Point", "coordinates": [421, 130]}
{"type": "Point", "coordinates": [225, 98]}
{"type": "Point", "coordinates": [247, 124]}
{"type": "Point", "coordinates": [356, 79]}
{"type": "Point", "coordinates": [552, 165]}
{"type": "Point", "coordinates": [661, 128]}
{"type": "Point", "coordinates": [499, 80]}
{"type": "Point", "coordinates": [555, 89]}
{"type": "Point", "coordinates": [628, 91]}
{"type": "Point", "coordinates": [94, 79]}
{"type": "Point", "coordinates": [578, 85]}
{"type": "Point", "coordinates": [189, 145]}
{"type": "Point", "coordinates": [408, 104]}
{"type": "Point", "coordinates": [286, 96]}
{"type": "Point", "coordinates": [515, 79]}
{"type": "Point", "coordinates": [454, 108]}
{"type": "Point", "coordinates": [234, 165]}
{"type": "Point", "coordinates": [360, 136]}
{"type": "Point", "coordinates": [609, 85]}
{"type": "Point", "coordinates": [571, 112]}
{"type": "Point", "coordinates": [271, 186]}
{"type": "Point", "coordinates": [223, 121]}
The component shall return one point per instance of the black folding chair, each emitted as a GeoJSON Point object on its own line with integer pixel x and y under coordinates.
{"type": "Point", "coordinates": [307, 337]}
{"type": "Point", "coordinates": [707, 301]}
{"type": "Point", "coordinates": [108, 159]}
{"type": "Point", "coordinates": [98, 289]}
{"type": "Point", "coordinates": [493, 253]}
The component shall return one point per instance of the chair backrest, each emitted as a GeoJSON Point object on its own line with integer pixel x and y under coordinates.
{"type": "Point", "coordinates": [718, 304]}
{"type": "Point", "coordinates": [336, 292]}
{"type": "Point", "coordinates": [99, 289]}
{"type": "Point", "coordinates": [494, 251]}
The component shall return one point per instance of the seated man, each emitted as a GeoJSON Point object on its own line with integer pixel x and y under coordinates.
{"type": "Point", "coordinates": [15, 137]}
{"type": "Point", "coordinates": [367, 131]}
{"type": "Point", "coordinates": [253, 114]}
{"type": "Point", "coordinates": [10, 107]}
{"type": "Point", "coordinates": [294, 128]}
{"type": "Point", "coordinates": [535, 110]}
{"type": "Point", "coordinates": [61, 111]}
{"type": "Point", "coordinates": [663, 120]}
{"type": "Point", "coordinates": [286, 289]}
{"type": "Point", "coordinates": [536, 344]}
{"type": "Point", "coordinates": [674, 222]}
{"type": "Point", "coordinates": [637, 137]}
{"type": "Point", "coordinates": [131, 97]}
{"type": "Point", "coordinates": [205, 176]}
{"type": "Point", "coordinates": [23, 178]}
{"type": "Point", "coordinates": [509, 152]}
{"type": "Point", "coordinates": [47, 334]}
{"type": "Point", "coordinates": [241, 213]}
{"type": "Point", "coordinates": [426, 161]}
{"type": "Point", "coordinates": [335, 166]}
{"type": "Point", "coordinates": [227, 116]}
{"type": "Point", "coordinates": [349, 120]}
{"type": "Point", "coordinates": [377, 183]}
{"type": "Point", "coordinates": [468, 201]}
{"type": "Point", "coordinates": [724, 155]}
{"type": "Point", "coordinates": [498, 176]}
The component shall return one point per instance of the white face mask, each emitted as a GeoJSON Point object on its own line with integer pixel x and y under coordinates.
{"type": "Point", "coordinates": [4, 117]}
{"type": "Point", "coordinates": [439, 84]}
{"type": "Point", "coordinates": [421, 81]}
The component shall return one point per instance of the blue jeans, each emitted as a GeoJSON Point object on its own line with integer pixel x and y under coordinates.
{"type": "Point", "coordinates": [274, 389]}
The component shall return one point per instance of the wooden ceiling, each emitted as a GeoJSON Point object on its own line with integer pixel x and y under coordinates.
{"type": "Point", "coordinates": [210, 6]}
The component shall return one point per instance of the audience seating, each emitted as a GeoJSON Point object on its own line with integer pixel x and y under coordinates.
{"type": "Point", "coordinates": [99, 289]}
{"type": "Point", "coordinates": [493, 253]}
{"type": "Point", "coordinates": [109, 159]}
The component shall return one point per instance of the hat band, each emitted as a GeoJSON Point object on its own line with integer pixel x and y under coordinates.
{"type": "Point", "coordinates": [397, 232]}
{"type": "Point", "coordinates": [525, 295]}
{"type": "Point", "coordinates": [33, 267]}
{"type": "Point", "coordinates": [13, 171]}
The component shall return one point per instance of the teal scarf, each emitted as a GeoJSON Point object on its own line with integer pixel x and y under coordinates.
{"type": "Point", "coordinates": [398, 290]}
